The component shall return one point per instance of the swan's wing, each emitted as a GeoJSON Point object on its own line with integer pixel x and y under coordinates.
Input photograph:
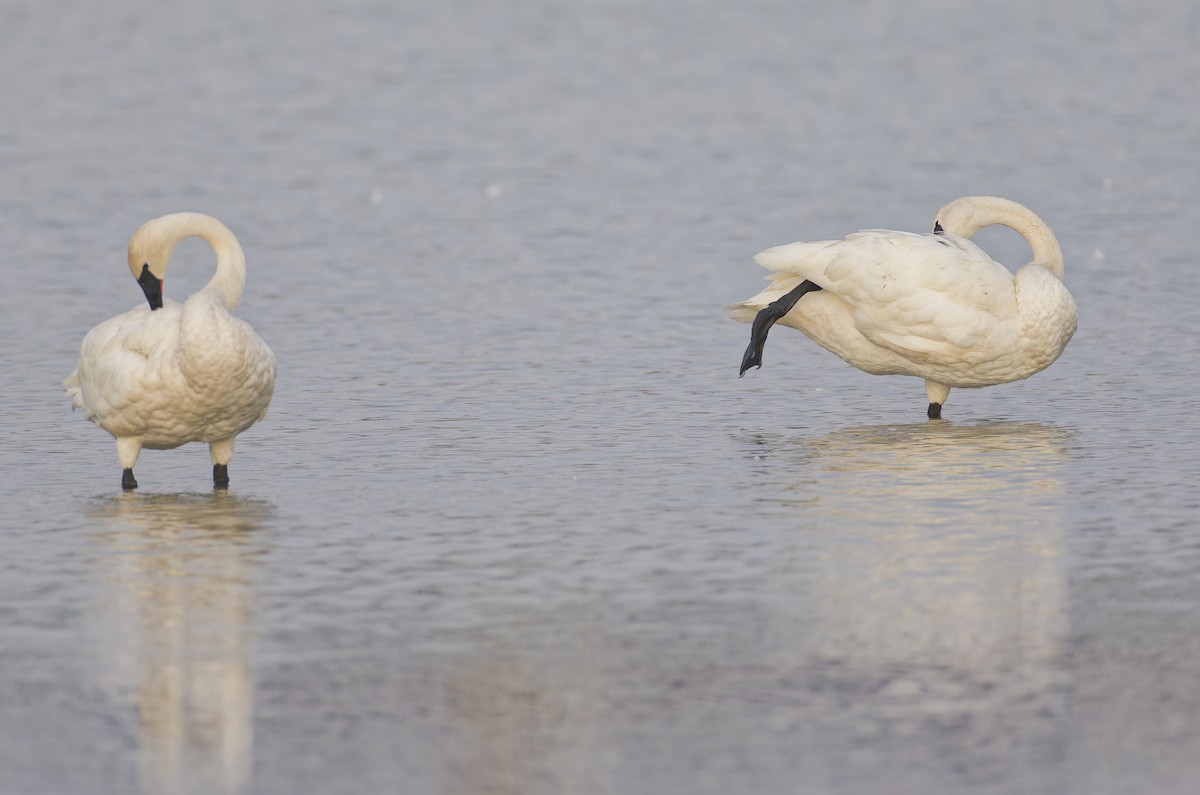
{"type": "Point", "coordinates": [254, 366]}
{"type": "Point", "coordinates": [70, 385]}
{"type": "Point", "coordinates": [922, 295]}
{"type": "Point", "coordinates": [124, 359]}
{"type": "Point", "coordinates": [919, 295]}
{"type": "Point", "coordinates": [807, 260]}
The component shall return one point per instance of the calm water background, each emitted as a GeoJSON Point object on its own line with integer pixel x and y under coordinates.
{"type": "Point", "coordinates": [513, 524]}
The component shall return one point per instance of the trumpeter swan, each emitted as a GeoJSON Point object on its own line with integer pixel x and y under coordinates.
{"type": "Point", "coordinates": [933, 306]}
{"type": "Point", "coordinates": [166, 374]}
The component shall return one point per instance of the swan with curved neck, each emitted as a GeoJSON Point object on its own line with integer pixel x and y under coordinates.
{"type": "Point", "coordinates": [165, 374]}
{"type": "Point", "coordinates": [933, 306]}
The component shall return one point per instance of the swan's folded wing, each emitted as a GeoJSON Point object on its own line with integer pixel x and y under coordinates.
{"type": "Point", "coordinates": [120, 363]}
{"type": "Point", "coordinates": [922, 295]}
{"type": "Point", "coordinates": [804, 259]}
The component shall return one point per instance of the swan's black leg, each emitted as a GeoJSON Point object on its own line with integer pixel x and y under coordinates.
{"type": "Point", "coordinates": [766, 318]}
{"type": "Point", "coordinates": [127, 480]}
{"type": "Point", "coordinates": [935, 411]}
{"type": "Point", "coordinates": [220, 476]}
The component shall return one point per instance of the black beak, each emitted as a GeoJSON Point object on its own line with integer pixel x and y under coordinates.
{"type": "Point", "coordinates": [937, 228]}
{"type": "Point", "coordinates": [152, 286]}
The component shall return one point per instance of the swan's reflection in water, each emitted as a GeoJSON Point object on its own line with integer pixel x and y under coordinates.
{"type": "Point", "coordinates": [903, 622]}
{"type": "Point", "coordinates": [182, 576]}
{"type": "Point", "coordinates": [526, 718]}
{"type": "Point", "coordinates": [934, 588]}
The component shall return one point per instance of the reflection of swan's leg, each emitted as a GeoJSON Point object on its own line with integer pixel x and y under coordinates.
{"type": "Point", "coordinates": [128, 449]}
{"type": "Point", "coordinates": [766, 318]}
{"type": "Point", "coordinates": [937, 395]}
{"type": "Point", "coordinates": [221, 452]}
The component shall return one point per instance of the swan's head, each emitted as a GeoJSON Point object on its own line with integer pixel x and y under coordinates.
{"type": "Point", "coordinates": [966, 216]}
{"type": "Point", "coordinates": [150, 250]}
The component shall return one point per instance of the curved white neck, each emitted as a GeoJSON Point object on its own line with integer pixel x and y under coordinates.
{"type": "Point", "coordinates": [154, 243]}
{"type": "Point", "coordinates": [964, 217]}
{"type": "Point", "coordinates": [230, 279]}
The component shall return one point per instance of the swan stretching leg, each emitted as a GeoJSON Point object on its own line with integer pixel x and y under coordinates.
{"type": "Point", "coordinates": [765, 319]}
{"type": "Point", "coordinates": [163, 375]}
{"type": "Point", "coordinates": [933, 306]}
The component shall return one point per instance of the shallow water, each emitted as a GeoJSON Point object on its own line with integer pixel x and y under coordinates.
{"type": "Point", "coordinates": [513, 523]}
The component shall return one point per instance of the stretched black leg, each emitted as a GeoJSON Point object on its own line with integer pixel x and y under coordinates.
{"type": "Point", "coordinates": [766, 318]}
{"type": "Point", "coordinates": [220, 476]}
{"type": "Point", "coordinates": [127, 480]}
{"type": "Point", "coordinates": [935, 411]}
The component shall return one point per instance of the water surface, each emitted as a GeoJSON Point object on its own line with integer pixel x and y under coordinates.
{"type": "Point", "coordinates": [513, 524]}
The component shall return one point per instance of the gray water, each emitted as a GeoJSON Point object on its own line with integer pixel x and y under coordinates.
{"type": "Point", "coordinates": [513, 524]}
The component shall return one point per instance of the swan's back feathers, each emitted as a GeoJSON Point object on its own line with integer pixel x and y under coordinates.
{"type": "Point", "coordinates": [133, 381]}
{"type": "Point", "coordinates": [112, 373]}
{"type": "Point", "coordinates": [918, 295]}
{"type": "Point", "coordinates": [923, 296]}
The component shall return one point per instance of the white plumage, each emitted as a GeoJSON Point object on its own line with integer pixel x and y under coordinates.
{"type": "Point", "coordinates": [165, 374]}
{"type": "Point", "coordinates": [928, 305]}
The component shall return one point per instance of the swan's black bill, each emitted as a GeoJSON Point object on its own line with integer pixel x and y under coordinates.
{"type": "Point", "coordinates": [934, 412]}
{"type": "Point", "coordinates": [937, 228]}
{"type": "Point", "coordinates": [128, 482]}
{"type": "Point", "coordinates": [220, 476]}
{"type": "Point", "coordinates": [152, 286]}
{"type": "Point", "coordinates": [766, 318]}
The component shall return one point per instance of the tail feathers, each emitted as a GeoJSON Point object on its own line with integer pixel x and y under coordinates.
{"type": "Point", "coordinates": [71, 385]}
{"type": "Point", "coordinates": [781, 285]}
{"type": "Point", "coordinates": [789, 266]}
{"type": "Point", "coordinates": [743, 312]}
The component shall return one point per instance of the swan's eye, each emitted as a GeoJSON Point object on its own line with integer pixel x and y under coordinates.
{"type": "Point", "coordinates": [937, 228]}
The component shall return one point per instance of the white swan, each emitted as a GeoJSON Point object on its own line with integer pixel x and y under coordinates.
{"type": "Point", "coordinates": [933, 306]}
{"type": "Point", "coordinates": [165, 375]}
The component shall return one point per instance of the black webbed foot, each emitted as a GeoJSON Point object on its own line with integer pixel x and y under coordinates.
{"type": "Point", "coordinates": [766, 318]}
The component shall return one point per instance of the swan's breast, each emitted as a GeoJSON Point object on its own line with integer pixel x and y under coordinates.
{"type": "Point", "coordinates": [1048, 315]}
